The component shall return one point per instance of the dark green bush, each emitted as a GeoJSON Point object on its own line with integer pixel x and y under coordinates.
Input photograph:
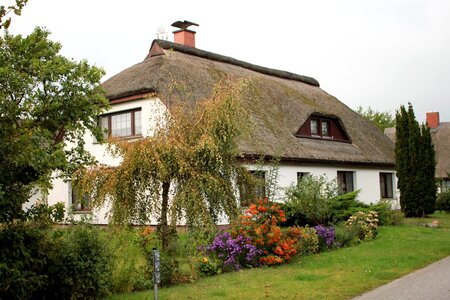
{"type": "Point", "coordinates": [344, 206]}
{"type": "Point", "coordinates": [22, 261]}
{"type": "Point", "coordinates": [443, 201]}
{"type": "Point", "coordinates": [41, 263]}
{"type": "Point", "coordinates": [79, 264]}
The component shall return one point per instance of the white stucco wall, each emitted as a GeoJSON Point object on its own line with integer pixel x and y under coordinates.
{"type": "Point", "coordinates": [366, 179]}
{"type": "Point", "coordinates": [153, 110]}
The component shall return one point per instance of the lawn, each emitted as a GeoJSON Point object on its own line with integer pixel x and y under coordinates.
{"type": "Point", "coordinates": [340, 274]}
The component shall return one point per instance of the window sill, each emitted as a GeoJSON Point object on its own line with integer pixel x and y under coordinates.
{"type": "Point", "coordinates": [133, 137]}
{"type": "Point", "coordinates": [82, 212]}
{"type": "Point", "coordinates": [325, 138]}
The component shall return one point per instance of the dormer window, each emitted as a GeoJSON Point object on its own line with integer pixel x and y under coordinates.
{"type": "Point", "coordinates": [314, 127]}
{"type": "Point", "coordinates": [323, 127]}
{"type": "Point", "coordinates": [320, 127]}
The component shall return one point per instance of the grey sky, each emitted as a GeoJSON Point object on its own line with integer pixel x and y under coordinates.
{"type": "Point", "coordinates": [365, 52]}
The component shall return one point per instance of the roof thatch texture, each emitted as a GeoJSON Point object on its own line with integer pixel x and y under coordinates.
{"type": "Point", "coordinates": [440, 137]}
{"type": "Point", "coordinates": [441, 141]}
{"type": "Point", "coordinates": [279, 103]}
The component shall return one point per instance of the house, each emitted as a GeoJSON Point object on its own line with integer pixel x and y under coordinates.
{"type": "Point", "coordinates": [307, 129]}
{"type": "Point", "coordinates": [440, 136]}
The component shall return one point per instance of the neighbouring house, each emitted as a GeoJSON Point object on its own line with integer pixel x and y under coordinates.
{"type": "Point", "coordinates": [440, 135]}
{"type": "Point", "coordinates": [307, 129]}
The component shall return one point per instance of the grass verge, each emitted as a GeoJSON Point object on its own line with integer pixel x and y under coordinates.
{"type": "Point", "coordinates": [340, 274]}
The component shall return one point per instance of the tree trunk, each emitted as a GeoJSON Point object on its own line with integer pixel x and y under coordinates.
{"type": "Point", "coordinates": [164, 227]}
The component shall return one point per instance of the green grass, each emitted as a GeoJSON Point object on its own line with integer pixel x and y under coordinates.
{"type": "Point", "coordinates": [340, 274]}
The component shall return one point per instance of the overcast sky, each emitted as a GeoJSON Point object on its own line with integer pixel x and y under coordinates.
{"type": "Point", "coordinates": [378, 53]}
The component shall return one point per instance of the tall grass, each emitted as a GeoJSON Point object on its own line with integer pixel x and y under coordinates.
{"type": "Point", "coordinates": [340, 274]}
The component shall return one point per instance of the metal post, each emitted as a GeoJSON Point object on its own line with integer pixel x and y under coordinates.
{"type": "Point", "coordinates": [156, 272]}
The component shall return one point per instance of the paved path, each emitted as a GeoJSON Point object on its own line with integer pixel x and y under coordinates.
{"type": "Point", "coordinates": [430, 283]}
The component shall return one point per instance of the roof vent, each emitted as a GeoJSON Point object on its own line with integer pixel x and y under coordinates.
{"type": "Point", "coordinates": [184, 36]}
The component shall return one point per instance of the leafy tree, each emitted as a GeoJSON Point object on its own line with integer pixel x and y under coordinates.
{"type": "Point", "coordinates": [382, 120]}
{"type": "Point", "coordinates": [47, 102]}
{"type": "Point", "coordinates": [415, 164]}
{"type": "Point", "coordinates": [16, 8]}
{"type": "Point", "coordinates": [187, 169]}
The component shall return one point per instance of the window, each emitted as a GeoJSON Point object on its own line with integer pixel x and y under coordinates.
{"type": "Point", "coordinates": [260, 187]}
{"type": "Point", "coordinates": [79, 201]}
{"type": "Point", "coordinates": [314, 127]}
{"type": "Point", "coordinates": [386, 185]}
{"type": "Point", "coordinates": [445, 185]}
{"type": "Point", "coordinates": [320, 127]}
{"type": "Point", "coordinates": [123, 124]}
{"type": "Point", "coordinates": [301, 176]}
{"type": "Point", "coordinates": [345, 181]}
{"type": "Point", "coordinates": [323, 127]}
{"type": "Point", "coordinates": [257, 190]}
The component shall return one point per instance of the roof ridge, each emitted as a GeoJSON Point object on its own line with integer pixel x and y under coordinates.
{"type": "Point", "coordinates": [226, 59]}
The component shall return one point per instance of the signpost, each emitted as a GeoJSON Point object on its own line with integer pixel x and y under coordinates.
{"type": "Point", "coordinates": [156, 271]}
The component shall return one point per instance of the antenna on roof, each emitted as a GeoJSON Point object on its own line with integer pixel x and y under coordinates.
{"type": "Point", "coordinates": [161, 34]}
{"type": "Point", "coordinates": [183, 25]}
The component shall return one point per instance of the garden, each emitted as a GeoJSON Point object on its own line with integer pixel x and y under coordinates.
{"type": "Point", "coordinates": [270, 246]}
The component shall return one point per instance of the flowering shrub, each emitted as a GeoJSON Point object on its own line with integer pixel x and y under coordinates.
{"type": "Point", "coordinates": [326, 236]}
{"type": "Point", "coordinates": [365, 224]}
{"type": "Point", "coordinates": [234, 253]}
{"type": "Point", "coordinates": [309, 241]}
{"type": "Point", "coordinates": [207, 267]}
{"type": "Point", "coordinates": [260, 225]}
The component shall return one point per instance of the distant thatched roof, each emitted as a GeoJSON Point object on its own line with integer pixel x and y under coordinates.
{"type": "Point", "coordinates": [441, 141]}
{"type": "Point", "coordinates": [279, 103]}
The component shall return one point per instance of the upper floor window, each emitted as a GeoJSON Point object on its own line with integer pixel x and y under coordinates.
{"type": "Point", "coordinates": [321, 127]}
{"type": "Point", "coordinates": [122, 124]}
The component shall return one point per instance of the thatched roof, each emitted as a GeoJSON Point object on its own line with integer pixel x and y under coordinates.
{"type": "Point", "coordinates": [279, 103]}
{"type": "Point", "coordinates": [440, 137]}
{"type": "Point", "coordinates": [441, 141]}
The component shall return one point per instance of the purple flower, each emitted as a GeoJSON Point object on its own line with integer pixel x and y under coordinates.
{"type": "Point", "coordinates": [326, 235]}
{"type": "Point", "coordinates": [234, 253]}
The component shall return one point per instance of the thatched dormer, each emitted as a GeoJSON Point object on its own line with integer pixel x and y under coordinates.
{"type": "Point", "coordinates": [280, 103]}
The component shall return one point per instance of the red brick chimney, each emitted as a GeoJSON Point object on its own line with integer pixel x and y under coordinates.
{"type": "Point", "coordinates": [184, 36]}
{"type": "Point", "coordinates": [433, 119]}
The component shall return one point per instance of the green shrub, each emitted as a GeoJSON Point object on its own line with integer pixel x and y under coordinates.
{"type": "Point", "coordinates": [208, 267]}
{"type": "Point", "coordinates": [443, 201]}
{"type": "Point", "coordinates": [41, 263]}
{"type": "Point", "coordinates": [309, 242]}
{"type": "Point", "coordinates": [128, 261]}
{"type": "Point", "coordinates": [346, 235]}
{"type": "Point", "coordinates": [365, 224]}
{"type": "Point", "coordinates": [394, 217]}
{"type": "Point", "coordinates": [169, 268]}
{"type": "Point", "coordinates": [344, 206]}
{"type": "Point", "coordinates": [311, 198]}
{"type": "Point", "coordinates": [317, 201]}
{"type": "Point", "coordinates": [22, 261]}
{"type": "Point", "coordinates": [78, 264]}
